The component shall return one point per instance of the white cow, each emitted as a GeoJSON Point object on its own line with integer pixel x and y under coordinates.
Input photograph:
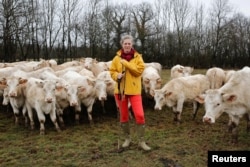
{"type": "Point", "coordinates": [86, 92]}
{"type": "Point", "coordinates": [109, 63]}
{"type": "Point", "coordinates": [55, 66]}
{"type": "Point", "coordinates": [95, 66]}
{"type": "Point", "coordinates": [151, 80]}
{"type": "Point", "coordinates": [180, 71]}
{"type": "Point", "coordinates": [178, 90]}
{"type": "Point", "coordinates": [6, 72]}
{"type": "Point", "coordinates": [232, 98]}
{"type": "Point", "coordinates": [40, 96]}
{"type": "Point", "coordinates": [15, 87]}
{"type": "Point", "coordinates": [87, 62]}
{"type": "Point", "coordinates": [155, 65]}
{"type": "Point", "coordinates": [228, 74]}
{"type": "Point", "coordinates": [98, 67]}
{"type": "Point", "coordinates": [86, 72]}
{"type": "Point", "coordinates": [45, 63]}
{"type": "Point", "coordinates": [216, 77]}
{"type": "Point", "coordinates": [104, 86]}
{"type": "Point", "coordinates": [66, 95]}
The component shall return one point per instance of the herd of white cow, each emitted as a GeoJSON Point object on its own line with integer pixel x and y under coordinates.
{"type": "Point", "coordinates": [48, 88]}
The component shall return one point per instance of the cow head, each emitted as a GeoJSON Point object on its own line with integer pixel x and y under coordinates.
{"type": "Point", "coordinates": [214, 105]}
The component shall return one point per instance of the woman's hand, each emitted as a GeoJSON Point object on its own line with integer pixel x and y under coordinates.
{"type": "Point", "coordinates": [120, 75]}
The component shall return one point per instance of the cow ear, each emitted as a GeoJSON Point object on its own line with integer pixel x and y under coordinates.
{"type": "Point", "coordinates": [167, 94]}
{"type": "Point", "coordinates": [146, 81]}
{"type": "Point", "coordinates": [230, 98]}
{"type": "Point", "coordinates": [159, 80]}
{"type": "Point", "coordinates": [81, 89]}
{"type": "Point", "coordinates": [180, 69]}
{"type": "Point", "coordinates": [22, 81]}
{"type": "Point", "coordinates": [91, 82]}
{"type": "Point", "coordinates": [200, 98]}
{"type": "Point", "coordinates": [108, 83]}
{"type": "Point", "coordinates": [66, 87]}
{"type": "Point", "coordinates": [3, 82]}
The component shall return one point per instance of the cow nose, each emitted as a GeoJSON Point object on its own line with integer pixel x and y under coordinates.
{"type": "Point", "coordinates": [103, 98]}
{"type": "Point", "coordinates": [72, 104]}
{"type": "Point", "coordinates": [12, 94]}
{"type": "Point", "coordinates": [157, 108]}
{"type": "Point", "coordinates": [5, 103]}
{"type": "Point", "coordinates": [49, 100]}
{"type": "Point", "coordinates": [207, 120]}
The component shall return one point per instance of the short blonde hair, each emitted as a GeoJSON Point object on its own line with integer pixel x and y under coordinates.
{"type": "Point", "coordinates": [123, 38]}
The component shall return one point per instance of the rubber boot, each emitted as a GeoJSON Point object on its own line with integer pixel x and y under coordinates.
{"type": "Point", "coordinates": [126, 132]}
{"type": "Point", "coordinates": [140, 133]}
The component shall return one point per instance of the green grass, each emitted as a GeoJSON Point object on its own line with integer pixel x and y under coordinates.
{"type": "Point", "coordinates": [97, 146]}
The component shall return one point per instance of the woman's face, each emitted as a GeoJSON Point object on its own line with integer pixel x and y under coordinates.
{"type": "Point", "coordinates": [127, 45]}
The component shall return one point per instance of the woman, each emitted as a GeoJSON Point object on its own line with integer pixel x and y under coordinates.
{"type": "Point", "coordinates": [126, 68]}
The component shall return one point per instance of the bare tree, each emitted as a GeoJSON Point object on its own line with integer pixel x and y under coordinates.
{"type": "Point", "coordinates": [26, 26]}
{"type": "Point", "coordinates": [236, 49]}
{"type": "Point", "coordinates": [219, 21]}
{"type": "Point", "coordinates": [168, 41]}
{"type": "Point", "coordinates": [155, 41]}
{"type": "Point", "coordinates": [107, 29]}
{"type": "Point", "coordinates": [182, 21]}
{"type": "Point", "coordinates": [119, 17]}
{"type": "Point", "coordinates": [50, 28]}
{"type": "Point", "coordinates": [142, 19]}
{"type": "Point", "coordinates": [11, 13]}
{"type": "Point", "coordinates": [198, 35]}
{"type": "Point", "coordinates": [93, 25]}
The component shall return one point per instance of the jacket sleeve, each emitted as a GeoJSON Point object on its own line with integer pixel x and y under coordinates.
{"type": "Point", "coordinates": [136, 67]}
{"type": "Point", "coordinates": [114, 69]}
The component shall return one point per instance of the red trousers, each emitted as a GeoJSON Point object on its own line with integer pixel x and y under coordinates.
{"type": "Point", "coordinates": [136, 104]}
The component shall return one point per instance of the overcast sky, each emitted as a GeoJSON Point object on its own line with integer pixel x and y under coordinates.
{"type": "Point", "coordinates": [242, 6]}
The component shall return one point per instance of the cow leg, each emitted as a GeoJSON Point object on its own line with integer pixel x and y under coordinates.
{"type": "Point", "coordinates": [89, 110]}
{"type": "Point", "coordinates": [42, 119]}
{"type": "Point", "coordinates": [178, 117]}
{"type": "Point", "coordinates": [16, 119]}
{"type": "Point", "coordinates": [235, 122]}
{"type": "Point", "coordinates": [60, 117]}
{"type": "Point", "coordinates": [77, 113]}
{"type": "Point", "coordinates": [234, 133]}
{"type": "Point", "coordinates": [89, 106]}
{"type": "Point", "coordinates": [16, 114]}
{"type": "Point", "coordinates": [24, 111]}
{"type": "Point", "coordinates": [30, 114]}
{"type": "Point", "coordinates": [196, 107]}
{"type": "Point", "coordinates": [230, 125]}
{"type": "Point", "coordinates": [59, 113]}
{"type": "Point", "coordinates": [178, 110]}
{"type": "Point", "coordinates": [103, 106]}
{"type": "Point", "coordinates": [53, 119]}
